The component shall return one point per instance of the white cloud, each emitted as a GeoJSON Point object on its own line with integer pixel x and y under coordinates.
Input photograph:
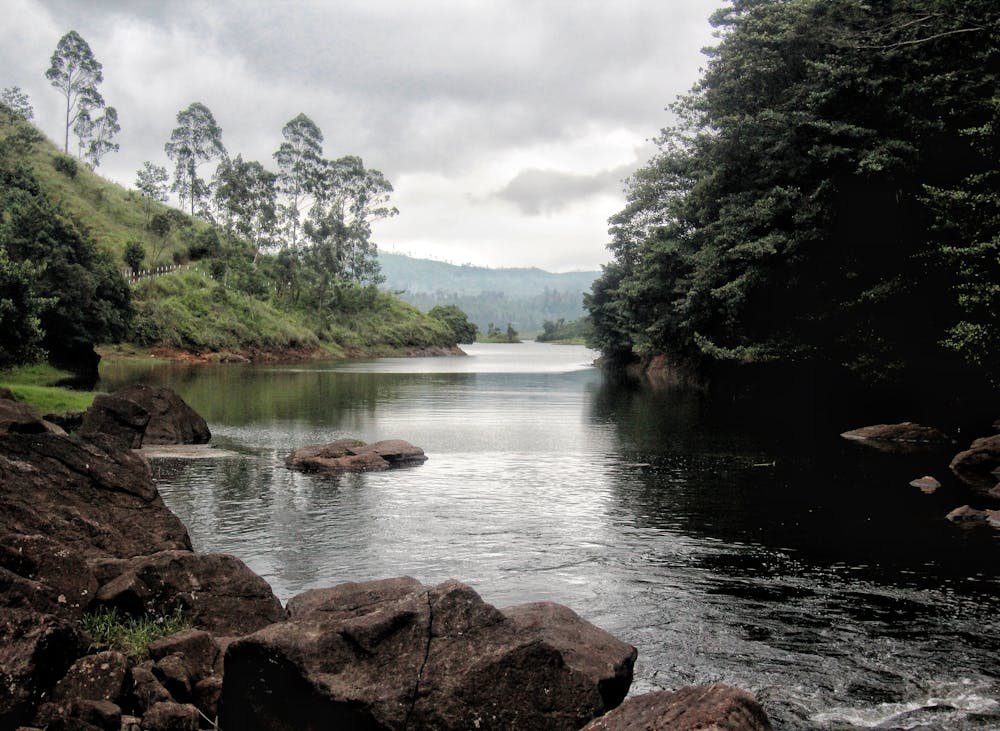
{"type": "Point", "coordinates": [483, 114]}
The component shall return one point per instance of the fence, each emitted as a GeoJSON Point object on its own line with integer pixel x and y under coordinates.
{"type": "Point", "coordinates": [134, 277]}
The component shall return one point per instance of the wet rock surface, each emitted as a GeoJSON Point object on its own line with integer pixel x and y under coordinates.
{"type": "Point", "coordinates": [694, 708]}
{"type": "Point", "coordinates": [904, 436]}
{"type": "Point", "coordinates": [352, 455]}
{"type": "Point", "coordinates": [398, 654]}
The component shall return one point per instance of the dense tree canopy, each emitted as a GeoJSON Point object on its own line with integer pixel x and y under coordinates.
{"type": "Point", "coordinates": [197, 138]}
{"type": "Point", "coordinates": [830, 195]}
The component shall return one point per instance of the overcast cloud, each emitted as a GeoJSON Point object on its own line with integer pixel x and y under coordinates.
{"type": "Point", "coordinates": [506, 126]}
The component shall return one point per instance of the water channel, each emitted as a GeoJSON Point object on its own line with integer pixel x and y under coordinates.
{"type": "Point", "coordinates": [727, 544]}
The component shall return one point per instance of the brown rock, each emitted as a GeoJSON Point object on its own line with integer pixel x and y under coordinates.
{"type": "Point", "coordinates": [119, 420]}
{"type": "Point", "coordinates": [927, 484]}
{"type": "Point", "coordinates": [19, 418]}
{"type": "Point", "coordinates": [694, 708]}
{"type": "Point", "coordinates": [216, 591]}
{"type": "Point", "coordinates": [104, 715]}
{"type": "Point", "coordinates": [39, 558]}
{"type": "Point", "coordinates": [6, 394]}
{"type": "Point", "coordinates": [976, 465]}
{"type": "Point", "coordinates": [906, 435]}
{"type": "Point", "coordinates": [196, 649]}
{"type": "Point", "coordinates": [147, 689]}
{"type": "Point", "coordinates": [397, 654]}
{"type": "Point", "coordinates": [351, 455]}
{"type": "Point", "coordinates": [171, 717]}
{"type": "Point", "coordinates": [207, 695]}
{"type": "Point", "coordinates": [100, 677]}
{"type": "Point", "coordinates": [171, 420]}
{"type": "Point", "coordinates": [966, 515]}
{"type": "Point", "coordinates": [173, 675]}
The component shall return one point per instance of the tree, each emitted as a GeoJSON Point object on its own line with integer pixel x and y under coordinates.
{"type": "Point", "coordinates": [133, 256]}
{"type": "Point", "coordinates": [100, 140]}
{"type": "Point", "coordinates": [151, 181]}
{"type": "Point", "coordinates": [196, 139]}
{"type": "Point", "coordinates": [75, 72]}
{"type": "Point", "coordinates": [20, 310]}
{"type": "Point", "coordinates": [301, 168]}
{"type": "Point", "coordinates": [812, 205]}
{"type": "Point", "coordinates": [246, 195]}
{"type": "Point", "coordinates": [18, 102]}
{"type": "Point", "coordinates": [457, 321]}
{"type": "Point", "coordinates": [160, 225]}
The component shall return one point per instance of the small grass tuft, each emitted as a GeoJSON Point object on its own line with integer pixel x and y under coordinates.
{"type": "Point", "coordinates": [130, 635]}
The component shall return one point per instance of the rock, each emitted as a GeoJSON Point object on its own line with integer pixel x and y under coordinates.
{"type": "Point", "coordinates": [976, 466]}
{"type": "Point", "coordinates": [696, 707]}
{"type": "Point", "coordinates": [147, 689]}
{"type": "Point", "coordinates": [207, 695]}
{"type": "Point", "coordinates": [104, 715]}
{"type": "Point", "coordinates": [52, 563]}
{"type": "Point", "coordinates": [216, 591]}
{"type": "Point", "coordinates": [119, 420]}
{"type": "Point", "coordinates": [171, 717]}
{"type": "Point", "coordinates": [19, 418]}
{"type": "Point", "coordinates": [171, 420]}
{"type": "Point", "coordinates": [966, 515]}
{"type": "Point", "coordinates": [70, 421]}
{"type": "Point", "coordinates": [906, 435]}
{"type": "Point", "coordinates": [396, 654]}
{"type": "Point", "coordinates": [196, 649]}
{"type": "Point", "coordinates": [95, 500]}
{"type": "Point", "coordinates": [6, 394]}
{"type": "Point", "coordinates": [100, 677]}
{"type": "Point", "coordinates": [173, 675]}
{"type": "Point", "coordinates": [36, 646]}
{"type": "Point", "coordinates": [351, 455]}
{"type": "Point", "coordinates": [927, 484]}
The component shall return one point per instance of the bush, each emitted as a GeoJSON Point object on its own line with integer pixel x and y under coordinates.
{"type": "Point", "coordinates": [65, 165]}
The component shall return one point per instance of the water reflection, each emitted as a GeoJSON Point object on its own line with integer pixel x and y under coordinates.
{"type": "Point", "coordinates": [727, 545]}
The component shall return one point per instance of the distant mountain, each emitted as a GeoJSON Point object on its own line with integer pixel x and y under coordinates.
{"type": "Point", "coordinates": [524, 297]}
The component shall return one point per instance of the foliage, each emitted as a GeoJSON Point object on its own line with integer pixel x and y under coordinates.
{"type": "Point", "coordinates": [86, 299]}
{"type": "Point", "coordinates": [246, 196]}
{"type": "Point", "coordinates": [75, 72]}
{"type": "Point", "coordinates": [14, 98]}
{"type": "Point", "coordinates": [36, 385]}
{"type": "Point", "coordinates": [560, 331]}
{"type": "Point", "coordinates": [495, 335]}
{"type": "Point", "coordinates": [20, 311]}
{"type": "Point", "coordinates": [301, 166]}
{"type": "Point", "coordinates": [133, 256]}
{"type": "Point", "coordinates": [457, 321]}
{"type": "Point", "coordinates": [65, 165]}
{"type": "Point", "coordinates": [828, 197]}
{"type": "Point", "coordinates": [151, 181]}
{"type": "Point", "coordinates": [196, 139]}
{"type": "Point", "coordinates": [131, 635]}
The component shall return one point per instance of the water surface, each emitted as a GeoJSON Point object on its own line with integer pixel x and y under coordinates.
{"type": "Point", "coordinates": [727, 544]}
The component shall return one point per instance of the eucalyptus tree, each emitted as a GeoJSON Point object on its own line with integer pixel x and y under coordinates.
{"type": "Point", "coordinates": [97, 136]}
{"type": "Point", "coordinates": [75, 72]}
{"type": "Point", "coordinates": [301, 166]}
{"type": "Point", "coordinates": [151, 181]}
{"type": "Point", "coordinates": [196, 139]}
{"type": "Point", "coordinates": [14, 98]}
{"type": "Point", "coordinates": [246, 196]}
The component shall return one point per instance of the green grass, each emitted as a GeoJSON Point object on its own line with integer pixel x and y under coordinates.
{"type": "Point", "coordinates": [129, 635]}
{"type": "Point", "coordinates": [35, 385]}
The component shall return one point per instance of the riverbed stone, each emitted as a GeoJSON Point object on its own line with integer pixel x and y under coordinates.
{"type": "Point", "coordinates": [352, 455]}
{"type": "Point", "coordinates": [397, 654]}
{"type": "Point", "coordinates": [905, 435]}
{"type": "Point", "coordinates": [171, 717]}
{"type": "Point", "coordinates": [977, 465]}
{"type": "Point", "coordinates": [693, 708]}
{"type": "Point", "coordinates": [119, 420]}
{"type": "Point", "coordinates": [927, 484]}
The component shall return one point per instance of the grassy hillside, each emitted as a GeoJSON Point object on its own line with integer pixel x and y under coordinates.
{"type": "Point", "coordinates": [223, 301]}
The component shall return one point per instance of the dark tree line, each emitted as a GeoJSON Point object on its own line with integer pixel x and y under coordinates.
{"type": "Point", "coordinates": [830, 196]}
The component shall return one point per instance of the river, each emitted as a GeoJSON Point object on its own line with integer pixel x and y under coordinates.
{"type": "Point", "coordinates": [727, 544]}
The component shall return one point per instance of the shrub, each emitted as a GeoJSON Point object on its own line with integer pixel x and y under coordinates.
{"type": "Point", "coordinates": [65, 165]}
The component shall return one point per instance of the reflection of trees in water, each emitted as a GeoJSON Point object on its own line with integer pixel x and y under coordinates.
{"type": "Point", "coordinates": [239, 394]}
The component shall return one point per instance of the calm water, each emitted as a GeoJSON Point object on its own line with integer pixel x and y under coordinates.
{"type": "Point", "coordinates": [726, 544]}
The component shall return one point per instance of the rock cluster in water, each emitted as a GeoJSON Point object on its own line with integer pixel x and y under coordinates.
{"type": "Point", "coordinates": [352, 455]}
{"type": "Point", "coordinates": [83, 527]}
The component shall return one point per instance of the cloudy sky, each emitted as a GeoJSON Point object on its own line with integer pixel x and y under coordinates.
{"type": "Point", "coordinates": [505, 126]}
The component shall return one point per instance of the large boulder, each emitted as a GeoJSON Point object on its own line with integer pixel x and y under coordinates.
{"type": "Point", "coordinates": [65, 506]}
{"type": "Point", "coordinates": [694, 708]}
{"type": "Point", "coordinates": [904, 436]}
{"type": "Point", "coordinates": [977, 465]}
{"type": "Point", "coordinates": [171, 420]}
{"type": "Point", "coordinates": [121, 421]}
{"type": "Point", "coordinates": [396, 654]}
{"type": "Point", "coordinates": [215, 591]}
{"type": "Point", "coordinates": [352, 455]}
{"type": "Point", "coordinates": [21, 418]}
